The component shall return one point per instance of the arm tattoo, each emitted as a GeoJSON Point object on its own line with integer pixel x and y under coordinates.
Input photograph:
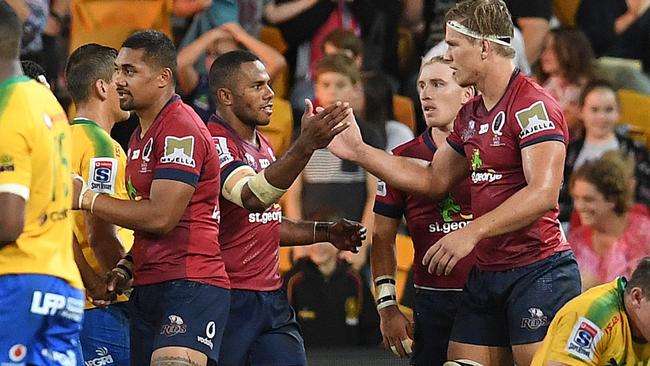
{"type": "Point", "coordinates": [173, 361]}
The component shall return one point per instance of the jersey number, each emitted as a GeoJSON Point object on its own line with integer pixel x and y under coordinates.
{"type": "Point", "coordinates": [60, 160]}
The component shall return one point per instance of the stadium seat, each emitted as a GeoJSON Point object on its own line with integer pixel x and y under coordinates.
{"type": "Point", "coordinates": [404, 249]}
{"type": "Point", "coordinates": [635, 109]}
{"type": "Point", "coordinates": [110, 22]}
{"type": "Point", "coordinates": [404, 111]}
{"type": "Point", "coordinates": [272, 37]}
{"type": "Point", "coordinates": [565, 11]}
{"type": "Point", "coordinates": [279, 131]}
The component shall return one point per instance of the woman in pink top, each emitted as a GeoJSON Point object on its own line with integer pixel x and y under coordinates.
{"type": "Point", "coordinates": [612, 239]}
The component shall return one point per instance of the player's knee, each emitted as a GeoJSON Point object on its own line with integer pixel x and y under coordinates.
{"type": "Point", "coordinates": [462, 363]}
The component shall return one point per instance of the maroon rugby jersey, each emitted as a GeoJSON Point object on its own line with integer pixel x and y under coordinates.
{"type": "Point", "coordinates": [492, 142]}
{"type": "Point", "coordinates": [178, 147]}
{"type": "Point", "coordinates": [428, 221]}
{"type": "Point", "coordinates": [249, 240]}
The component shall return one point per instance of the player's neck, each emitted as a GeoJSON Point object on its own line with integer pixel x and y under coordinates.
{"type": "Point", "coordinates": [243, 130]}
{"type": "Point", "coordinates": [495, 82]}
{"type": "Point", "coordinates": [9, 69]}
{"type": "Point", "coordinates": [96, 113]}
{"type": "Point", "coordinates": [148, 115]}
{"type": "Point", "coordinates": [439, 134]}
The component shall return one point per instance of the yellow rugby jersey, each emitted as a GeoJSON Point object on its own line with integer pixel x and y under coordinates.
{"type": "Point", "coordinates": [35, 153]}
{"type": "Point", "coordinates": [101, 161]}
{"type": "Point", "coordinates": [593, 329]}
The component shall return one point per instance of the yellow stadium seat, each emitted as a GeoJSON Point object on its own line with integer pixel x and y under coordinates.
{"type": "Point", "coordinates": [635, 109]}
{"type": "Point", "coordinates": [404, 249]}
{"type": "Point", "coordinates": [272, 37]}
{"type": "Point", "coordinates": [280, 129]}
{"type": "Point", "coordinates": [285, 259]}
{"type": "Point", "coordinates": [565, 11]}
{"type": "Point", "coordinates": [404, 111]}
{"type": "Point", "coordinates": [110, 22]}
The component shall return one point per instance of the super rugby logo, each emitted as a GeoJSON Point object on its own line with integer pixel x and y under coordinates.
{"type": "Point", "coordinates": [179, 150]}
{"type": "Point", "coordinates": [103, 172]}
{"type": "Point", "coordinates": [534, 119]}
{"type": "Point", "coordinates": [175, 326]}
{"type": "Point", "coordinates": [583, 339]}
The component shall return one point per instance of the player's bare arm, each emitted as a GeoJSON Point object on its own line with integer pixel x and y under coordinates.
{"type": "Point", "coordinates": [258, 191]}
{"type": "Point", "coordinates": [543, 165]}
{"type": "Point", "coordinates": [157, 215]}
{"type": "Point", "coordinates": [12, 217]}
{"type": "Point", "coordinates": [94, 283]}
{"type": "Point", "coordinates": [406, 174]}
{"type": "Point", "coordinates": [396, 328]}
{"type": "Point", "coordinates": [103, 239]}
{"type": "Point", "coordinates": [343, 234]}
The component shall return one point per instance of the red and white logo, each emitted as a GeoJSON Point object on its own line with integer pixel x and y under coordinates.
{"type": "Point", "coordinates": [17, 352]}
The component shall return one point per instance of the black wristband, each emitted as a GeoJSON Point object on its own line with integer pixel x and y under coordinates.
{"type": "Point", "coordinates": [386, 298]}
{"type": "Point", "coordinates": [384, 280]}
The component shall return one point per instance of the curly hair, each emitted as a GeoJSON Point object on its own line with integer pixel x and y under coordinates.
{"type": "Point", "coordinates": [610, 175]}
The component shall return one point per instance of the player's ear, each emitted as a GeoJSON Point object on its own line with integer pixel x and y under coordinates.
{"type": "Point", "coordinates": [101, 89]}
{"type": "Point", "coordinates": [165, 77]}
{"type": "Point", "coordinates": [224, 96]}
{"type": "Point", "coordinates": [485, 47]}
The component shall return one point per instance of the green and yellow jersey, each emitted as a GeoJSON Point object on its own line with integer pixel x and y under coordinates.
{"type": "Point", "coordinates": [35, 154]}
{"type": "Point", "coordinates": [593, 329]}
{"type": "Point", "coordinates": [101, 162]}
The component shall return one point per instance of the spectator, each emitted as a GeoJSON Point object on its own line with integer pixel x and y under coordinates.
{"type": "Point", "coordinates": [612, 239]}
{"type": "Point", "coordinates": [333, 303]}
{"type": "Point", "coordinates": [193, 84]}
{"type": "Point", "coordinates": [617, 28]}
{"type": "Point", "coordinates": [33, 14]}
{"type": "Point", "coordinates": [566, 66]}
{"type": "Point", "coordinates": [532, 17]}
{"type": "Point", "coordinates": [599, 111]}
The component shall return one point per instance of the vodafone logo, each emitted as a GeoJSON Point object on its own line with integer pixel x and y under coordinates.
{"type": "Point", "coordinates": [17, 352]}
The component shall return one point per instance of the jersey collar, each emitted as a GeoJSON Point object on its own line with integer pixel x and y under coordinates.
{"type": "Point", "coordinates": [83, 121]}
{"type": "Point", "coordinates": [14, 80]}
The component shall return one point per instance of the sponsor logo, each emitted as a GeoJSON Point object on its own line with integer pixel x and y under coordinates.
{"type": "Point", "coordinates": [447, 227]}
{"type": "Point", "coordinates": [536, 320]}
{"type": "Point", "coordinates": [610, 326]}
{"type": "Point", "coordinates": [583, 339]}
{"type": "Point", "coordinates": [64, 359]}
{"type": "Point", "coordinates": [210, 331]}
{"type": "Point", "coordinates": [7, 163]}
{"type": "Point", "coordinates": [225, 156]}
{"type": "Point", "coordinates": [266, 216]}
{"type": "Point", "coordinates": [131, 190]}
{"type": "Point", "coordinates": [449, 206]}
{"type": "Point", "coordinates": [17, 352]}
{"type": "Point", "coordinates": [179, 150]}
{"type": "Point", "coordinates": [103, 172]}
{"type": "Point", "coordinates": [104, 358]}
{"type": "Point", "coordinates": [135, 154]}
{"type": "Point", "coordinates": [486, 177]}
{"type": "Point", "coordinates": [534, 119]}
{"type": "Point", "coordinates": [483, 129]}
{"type": "Point", "coordinates": [175, 326]}
{"type": "Point", "coordinates": [381, 188]}
{"type": "Point", "coordinates": [46, 303]}
{"type": "Point", "coordinates": [497, 125]}
{"type": "Point", "coordinates": [54, 216]}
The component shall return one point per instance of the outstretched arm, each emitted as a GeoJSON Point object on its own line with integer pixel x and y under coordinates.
{"type": "Point", "coordinates": [411, 175]}
{"type": "Point", "coordinates": [343, 234]}
{"type": "Point", "coordinates": [278, 13]}
{"type": "Point", "coordinates": [188, 77]}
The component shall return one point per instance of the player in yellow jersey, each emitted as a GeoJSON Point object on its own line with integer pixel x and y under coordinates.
{"type": "Point", "coordinates": [101, 162]}
{"type": "Point", "coordinates": [41, 296]}
{"type": "Point", "coordinates": [607, 325]}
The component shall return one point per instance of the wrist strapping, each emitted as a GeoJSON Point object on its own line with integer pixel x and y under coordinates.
{"type": "Point", "coordinates": [263, 190]}
{"type": "Point", "coordinates": [92, 202]}
{"type": "Point", "coordinates": [386, 292]}
{"type": "Point", "coordinates": [321, 226]}
{"type": "Point", "coordinates": [125, 267]}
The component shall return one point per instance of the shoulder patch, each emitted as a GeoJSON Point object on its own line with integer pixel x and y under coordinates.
{"type": "Point", "coordinates": [225, 156]}
{"type": "Point", "coordinates": [179, 150]}
{"type": "Point", "coordinates": [381, 188]}
{"type": "Point", "coordinates": [533, 119]}
{"type": "Point", "coordinates": [583, 339]}
{"type": "Point", "coordinates": [103, 172]}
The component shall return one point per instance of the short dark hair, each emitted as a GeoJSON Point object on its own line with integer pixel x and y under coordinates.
{"type": "Point", "coordinates": [85, 66]}
{"type": "Point", "coordinates": [344, 39]}
{"type": "Point", "coordinates": [11, 32]}
{"type": "Point", "coordinates": [32, 69]}
{"type": "Point", "coordinates": [593, 85]}
{"type": "Point", "coordinates": [158, 48]}
{"type": "Point", "coordinates": [641, 277]}
{"type": "Point", "coordinates": [225, 67]}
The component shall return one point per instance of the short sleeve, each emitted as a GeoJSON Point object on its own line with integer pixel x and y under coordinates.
{"type": "Point", "coordinates": [99, 166]}
{"type": "Point", "coordinates": [389, 201]}
{"type": "Point", "coordinates": [15, 161]}
{"type": "Point", "coordinates": [180, 153]}
{"type": "Point", "coordinates": [539, 121]}
{"type": "Point", "coordinates": [575, 341]}
{"type": "Point", "coordinates": [230, 157]}
{"type": "Point", "coordinates": [454, 139]}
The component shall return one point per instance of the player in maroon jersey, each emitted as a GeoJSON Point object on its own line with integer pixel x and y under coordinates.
{"type": "Point", "coordinates": [262, 329]}
{"type": "Point", "coordinates": [179, 305]}
{"type": "Point", "coordinates": [511, 141]}
{"type": "Point", "coordinates": [436, 297]}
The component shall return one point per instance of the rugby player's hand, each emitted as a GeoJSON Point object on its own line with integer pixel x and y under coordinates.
{"type": "Point", "coordinates": [98, 294]}
{"type": "Point", "coordinates": [79, 188]}
{"type": "Point", "coordinates": [117, 284]}
{"type": "Point", "coordinates": [396, 331]}
{"type": "Point", "coordinates": [446, 252]}
{"type": "Point", "coordinates": [347, 235]}
{"type": "Point", "coordinates": [318, 128]}
{"type": "Point", "coordinates": [345, 144]}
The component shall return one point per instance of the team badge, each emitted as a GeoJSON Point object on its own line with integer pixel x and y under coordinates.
{"type": "Point", "coordinates": [225, 156]}
{"type": "Point", "coordinates": [497, 125]}
{"type": "Point", "coordinates": [179, 150]}
{"type": "Point", "coordinates": [534, 119]}
{"type": "Point", "coordinates": [381, 188]}
{"type": "Point", "coordinates": [583, 339]}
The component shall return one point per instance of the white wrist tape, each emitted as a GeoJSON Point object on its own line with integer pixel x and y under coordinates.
{"type": "Point", "coordinates": [386, 292]}
{"type": "Point", "coordinates": [263, 190]}
{"type": "Point", "coordinates": [234, 194]}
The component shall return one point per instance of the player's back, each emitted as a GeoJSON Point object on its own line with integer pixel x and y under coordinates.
{"type": "Point", "coordinates": [593, 329]}
{"type": "Point", "coordinates": [35, 164]}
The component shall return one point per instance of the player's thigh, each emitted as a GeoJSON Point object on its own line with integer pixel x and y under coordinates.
{"type": "Point", "coordinates": [281, 342]}
{"type": "Point", "coordinates": [523, 353]}
{"type": "Point", "coordinates": [16, 296]}
{"type": "Point", "coordinates": [434, 315]}
{"type": "Point", "coordinates": [177, 313]}
{"type": "Point", "coordinates": [245, 322]}
{"type": "Point", "coordinates": [105, 335]}
{"type": "Point", "coordinates": [541, 290]}
{"type": "Point", "coordinates": [485, 355]}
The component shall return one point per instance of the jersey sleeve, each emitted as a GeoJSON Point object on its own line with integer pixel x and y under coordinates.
{"type": "Point", "coordinates": [15, 146]}
{"type": "Point", "coordinates": [99, 166]}
{"type": "Point", "coordinates": [230, 157]}
{"type": "Point", "coordinates": [539, 120]}
{"type": "Point", "coordinates": [455, 137]}
{"type": "Point", "coordinates": [389, 201]}
{"type": "Point", "coordinates": [575, 341]}
{"type": "Point", "coordinates": [180, 152]}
